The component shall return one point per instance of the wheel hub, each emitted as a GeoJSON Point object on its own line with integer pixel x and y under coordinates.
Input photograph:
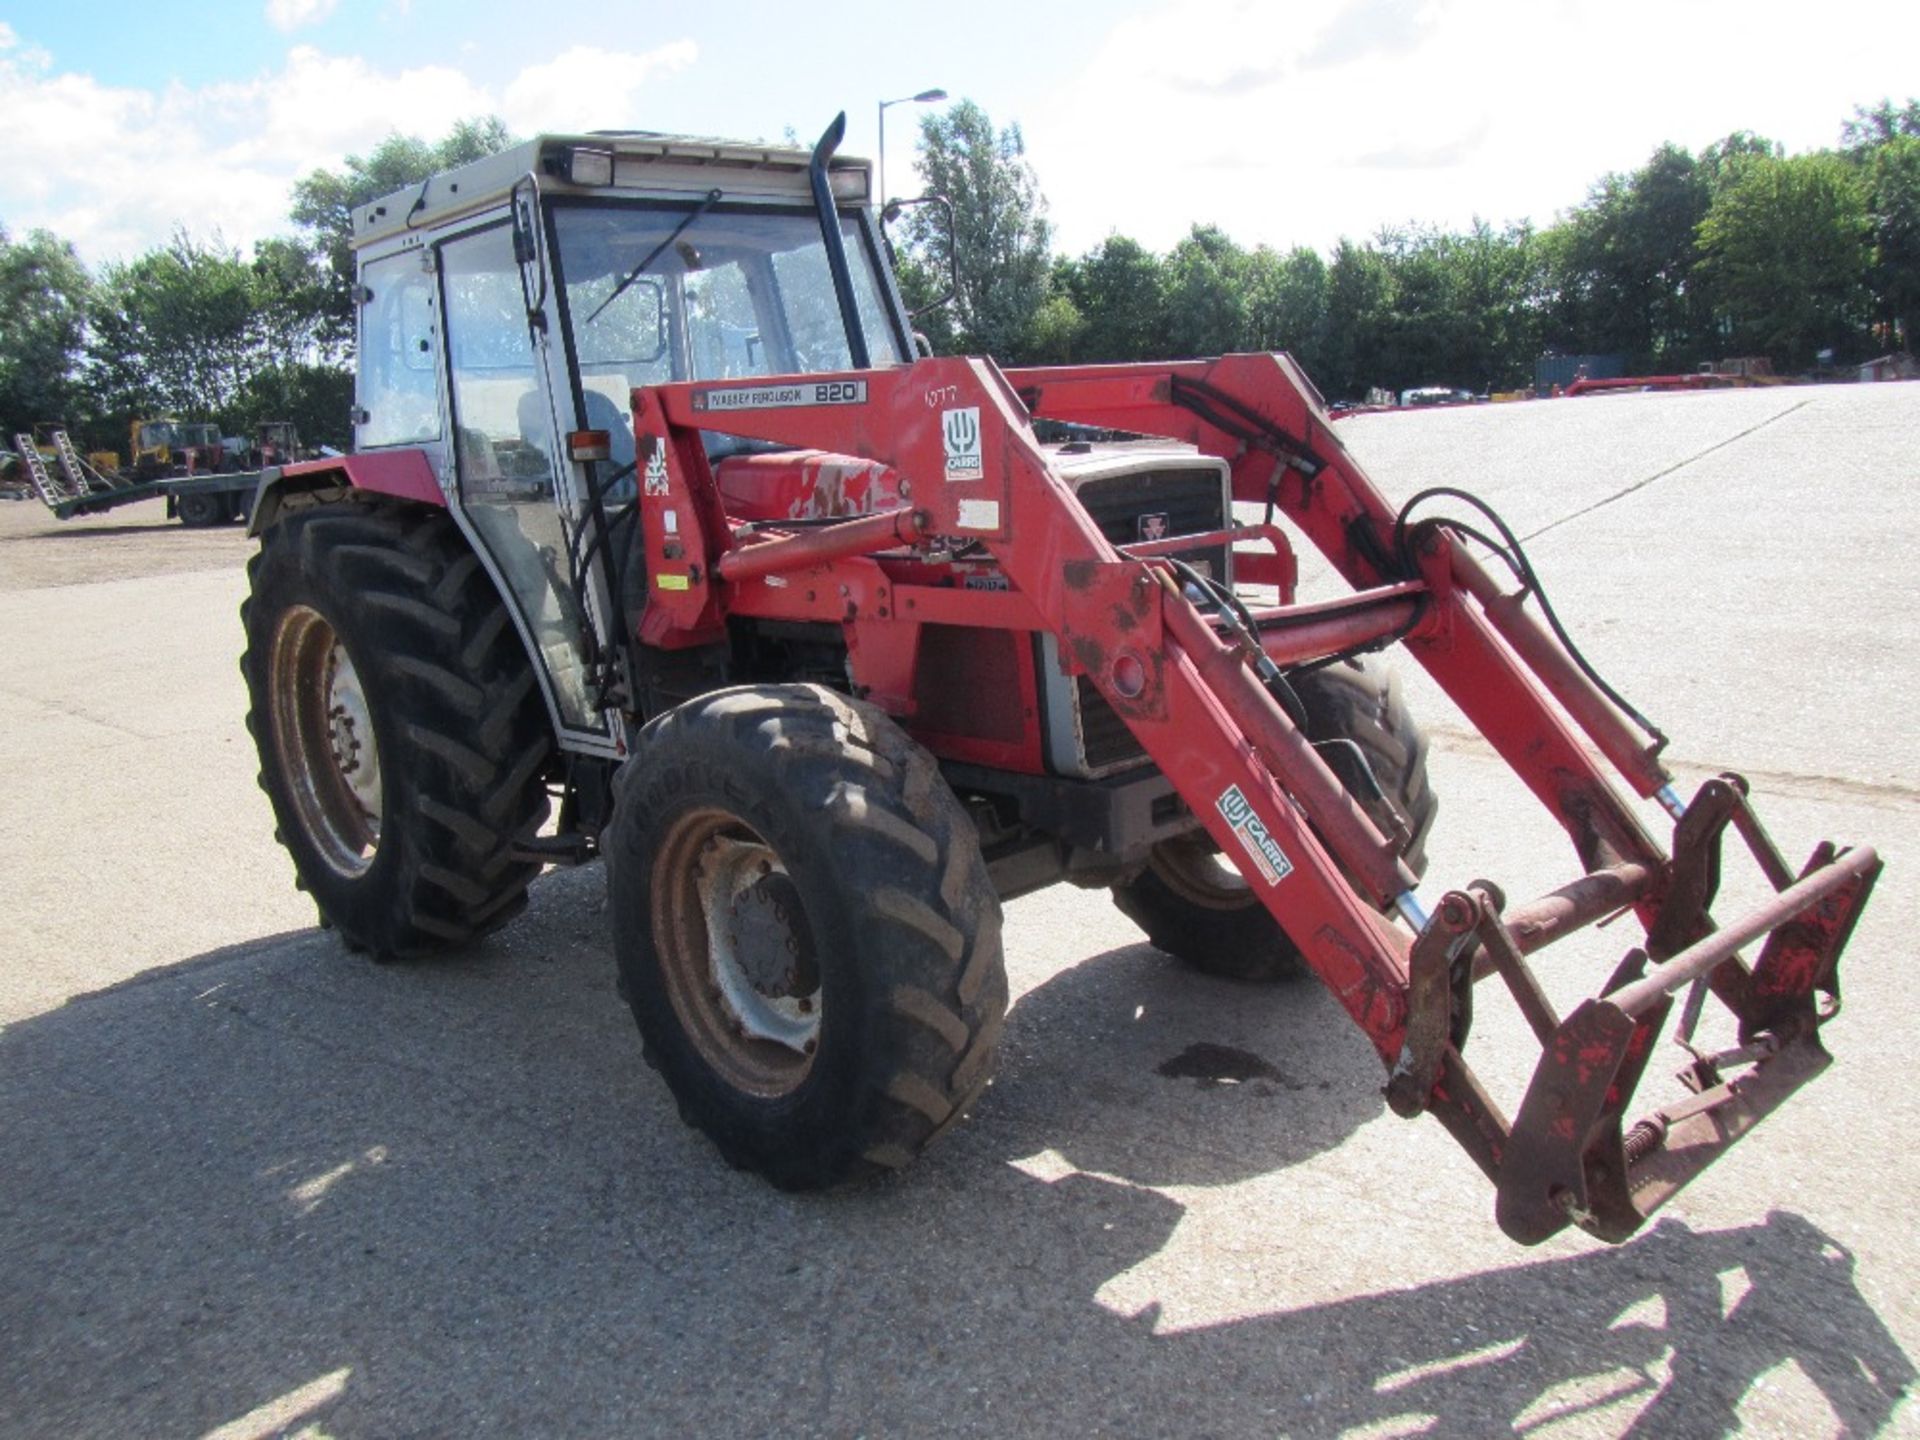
{"type": "Point", "coordinates": [759, 945]}
{"type": "Point", "coordinates": [350, 732]}
{"type": "Point", "coordinates": [768, 932]}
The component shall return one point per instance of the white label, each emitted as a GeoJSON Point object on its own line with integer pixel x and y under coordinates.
{"type": "Point", "coordinates": [778, 397]}
{"type": "Point", "coordinates": [979, 514]}
{"type": "Point", "coordinates": [656, 482]}
{"type": "Point", "coordinates": [671, 519]}
{"type": "Point", "coordinates": [960, 432]}
{"type": "Point", "coordinates": [1268, 858]}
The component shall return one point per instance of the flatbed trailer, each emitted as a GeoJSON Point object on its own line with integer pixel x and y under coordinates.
{"type": "Point", "coordinates": [197, 501]}
{"type": "Point", "coordinates": [68, 486]}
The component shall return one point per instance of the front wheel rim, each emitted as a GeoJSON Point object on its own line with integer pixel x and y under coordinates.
{"type": "Point", "coordinates": [1192, 867]}
{"type": "Point", "coordinates": [324, 741]}
{"type": "Point", "coordinates": [737, 953]}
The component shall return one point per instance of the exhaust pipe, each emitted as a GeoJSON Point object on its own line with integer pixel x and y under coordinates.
{"type": "Point", "coordinates": [836, 243]}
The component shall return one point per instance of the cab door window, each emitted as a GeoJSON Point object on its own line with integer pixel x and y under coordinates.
{"type": "Point", "coordinates": [508, 459]}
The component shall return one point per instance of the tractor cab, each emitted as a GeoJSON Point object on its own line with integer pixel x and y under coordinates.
{"type": "Point", "coordinates": [518, 301]}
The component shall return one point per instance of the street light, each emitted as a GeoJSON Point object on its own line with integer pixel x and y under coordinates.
{"type": "Point", "coordinates": [925, 97]}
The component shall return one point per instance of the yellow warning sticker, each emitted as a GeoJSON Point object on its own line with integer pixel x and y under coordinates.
{"type": "Point", "coordinates": [672, 582]}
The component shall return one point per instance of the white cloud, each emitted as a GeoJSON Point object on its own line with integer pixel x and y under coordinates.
{"type": "Point", "coordinates": [117, 169]}
{"type": "Point", "coordinates": [289, 15]}
{"type": "Point", "coordinates": [549, 96]}
{"type": "Point", "coordinates": [1297, 124]}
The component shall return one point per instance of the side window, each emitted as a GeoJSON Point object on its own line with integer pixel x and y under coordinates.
{"type": "Point", "coordinates": [399, 359]}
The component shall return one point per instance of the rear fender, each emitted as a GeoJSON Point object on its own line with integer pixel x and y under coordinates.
{"type": "Point", "coordinates": [401, 474]}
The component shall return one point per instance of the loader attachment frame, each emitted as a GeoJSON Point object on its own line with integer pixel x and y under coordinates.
{"type": "Point", "coordinates": [1187, 678]}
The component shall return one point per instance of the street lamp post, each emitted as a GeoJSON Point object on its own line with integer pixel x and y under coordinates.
{"type": "Point", "coordinates": [925, 97]}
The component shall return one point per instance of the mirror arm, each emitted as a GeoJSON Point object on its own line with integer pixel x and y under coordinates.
{"type": "Point", "coordinates": [892, 213]}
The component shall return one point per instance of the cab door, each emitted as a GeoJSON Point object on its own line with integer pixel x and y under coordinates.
{"type": "Point", "coordinates": [515, 490]}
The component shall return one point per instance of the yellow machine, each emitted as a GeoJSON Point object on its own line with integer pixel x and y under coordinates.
{"type": "Point", "coordinates": [150, 447]}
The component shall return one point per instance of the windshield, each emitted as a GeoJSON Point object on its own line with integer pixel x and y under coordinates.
{"type": "Point", "coordinates": [737, 293]}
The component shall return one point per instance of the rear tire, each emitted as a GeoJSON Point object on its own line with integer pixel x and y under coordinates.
{"type": "Point", "coordinates": [805, 930]}
{"type": "Point", "coordinates": [403, 742]}
{"type": "Point", "coordinates": [1197, 908]}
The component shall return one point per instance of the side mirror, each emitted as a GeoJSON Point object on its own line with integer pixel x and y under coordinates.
{"type": "Point", "coordinates": [893, 212]}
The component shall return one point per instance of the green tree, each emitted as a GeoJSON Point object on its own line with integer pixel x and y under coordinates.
{"type": "Point", "coordinates": [317, 398]}
{"type": "Point", "coordinates": [1785, 251]}
{"type": "Point", "coordinates": [1720, 160]}
{"type": "Point", "coordinates": [1622, 263]}
{"type": "Point", "coordinates": [1290, 304]}
{"type": "Point", "coordinates": [1884, 141]}
{"type": "Point", "coordinates": [44, 293]}
{"type": "Point", "coordinates": [194, 329]}
{"type": "Point", "coordinates": [324, 202]}
{"type": "Point", "coordinates": [1499, 283]}
{"type": "Point", "coordinates": [1053, 337]}
{"type": "Point", "coordinates": [1359, 295]}
{"type": "Point", "coordinates": [1872, 126]}
{"type": "Point", "coordinates": [1117, 288]}
{"type": "Point", "coordinates": [922, 288]}
{"type": "Point", "coordinates": [176, 330]}
{"type": "Point", "coordinates": [1207, 284]}
{"type": "Point", "coordinates": [294, 300]}
{"type": "Point", "coordinates": [1893, 179]}
{"type": "Point", "coordinates": [999, 244]}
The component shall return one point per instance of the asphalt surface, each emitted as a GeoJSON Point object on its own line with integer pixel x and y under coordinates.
{"type": "Point", "coordinates": [252, 1185]}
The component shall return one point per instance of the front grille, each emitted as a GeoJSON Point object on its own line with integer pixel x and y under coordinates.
{"type": "Point", "coordinates": [1192, 499]}
{"type": "Point", "coordinates": [1105, 741]}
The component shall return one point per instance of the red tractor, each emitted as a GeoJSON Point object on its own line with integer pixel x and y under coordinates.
{"type": "Point", "coordinates": [828, 649]}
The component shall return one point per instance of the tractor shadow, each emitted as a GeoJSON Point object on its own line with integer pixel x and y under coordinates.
{"type": "Point", "coordinates": [279, 1185]}
{"type": "Point", "coordinates": [1129, 1064]}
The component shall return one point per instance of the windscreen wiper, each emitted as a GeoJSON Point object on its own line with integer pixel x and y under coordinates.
{"type": "Point", "coordinates": [713, 198]}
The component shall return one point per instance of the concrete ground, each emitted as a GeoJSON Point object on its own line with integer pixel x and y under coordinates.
{"type": "Point", "coordinates": [252, 1185]}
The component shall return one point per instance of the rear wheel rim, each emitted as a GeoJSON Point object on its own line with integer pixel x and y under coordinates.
{"type": "Point", "coordinates": [324, 741]}
{"type": "Point", "coordinates": [737, 953]}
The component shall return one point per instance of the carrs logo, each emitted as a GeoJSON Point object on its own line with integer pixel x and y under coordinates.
{"type": "Point", "coordinates": [1268, 858]}
{"type": "Point", "coordinates": [1153, 527]}
{"type": "Point", "coordinates": [960, 431]}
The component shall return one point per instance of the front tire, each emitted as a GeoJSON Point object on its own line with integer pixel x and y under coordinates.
{"type": "Point", "coordinates": [403, 743]}
{"type": "Point", "coordinates": [1197, 908]}
{"type": "Point", "coordinates": [805, 930]}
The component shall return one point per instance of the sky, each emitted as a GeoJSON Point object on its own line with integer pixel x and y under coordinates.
{"type": "Point", "coordinates": [1284, 123]}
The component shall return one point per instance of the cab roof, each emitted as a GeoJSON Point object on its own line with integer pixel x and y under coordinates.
{"type": "Point", "coordinates": [642, 163]}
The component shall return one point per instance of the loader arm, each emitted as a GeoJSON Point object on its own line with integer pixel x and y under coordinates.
{"type": "Point", "coordinates": [1187, 679]}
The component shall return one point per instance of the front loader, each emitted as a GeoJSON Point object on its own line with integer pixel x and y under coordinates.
{"type": "Point", "coordinates": [828, 650]}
